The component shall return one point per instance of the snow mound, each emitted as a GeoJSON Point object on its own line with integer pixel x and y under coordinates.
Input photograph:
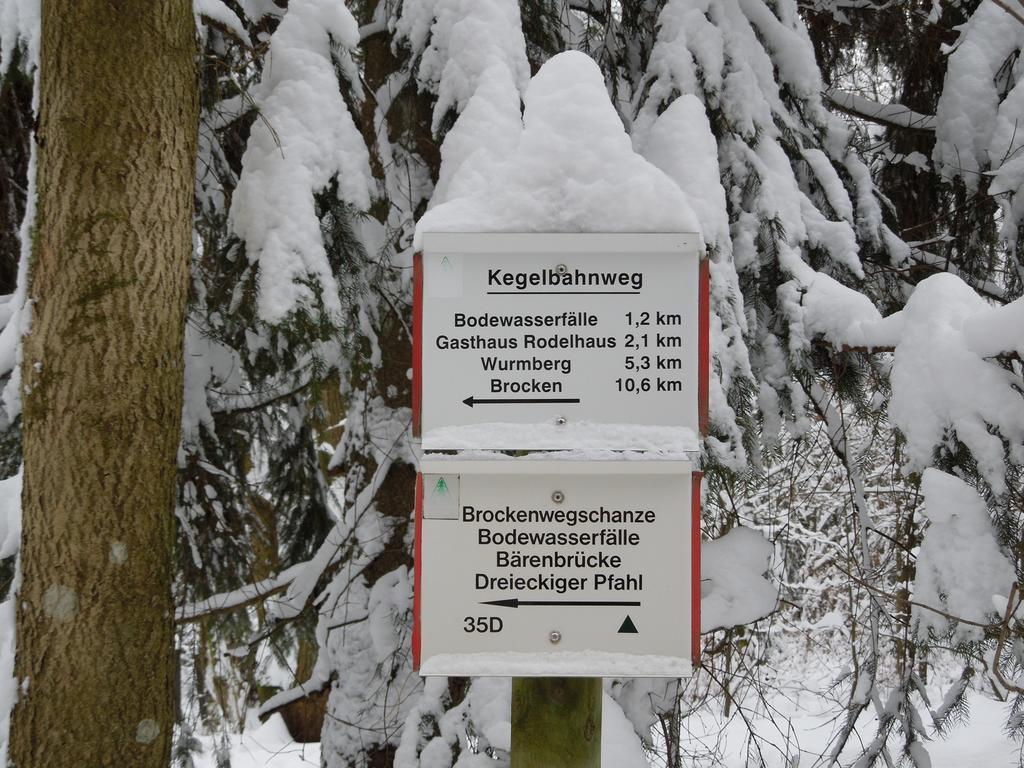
{"type": "Point", "coordinates": [960, 566]}
{"type": "Point", "coordinates": [733, 589]}
{"type": "Point", "coordinates": [573, 169]}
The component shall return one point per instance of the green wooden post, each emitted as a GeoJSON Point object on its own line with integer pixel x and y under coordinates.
{"type": "Point", "coordinates": [556, 722]}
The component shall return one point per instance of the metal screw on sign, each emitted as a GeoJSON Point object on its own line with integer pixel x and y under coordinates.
{"type": "Point", "coordinates": [558, 497]}
{"type": "Point", "coordinates": [561, 269]}
{"type": "Point", "coordinates": [555, 636]}
{"type": "Point", "coordinates": [560, 421]}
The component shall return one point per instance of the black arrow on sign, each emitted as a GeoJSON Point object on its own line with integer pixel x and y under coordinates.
{"type": "Point", "coordinates": [515, 602]}
{"type": "Point", "coordinates": [471, 401]}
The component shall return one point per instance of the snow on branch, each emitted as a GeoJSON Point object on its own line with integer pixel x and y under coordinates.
{"type": "Point", "coordinates": [944, 387]}
{"type": "Point", "coordinates": [896, 115]}
{"type": "Point", "coordinates": [1017, 13]}
{"type": "Point", "coordinates": [306, 138]}
{"type": "Point", "coordinates": [960, 565]}
{"type": "Point", "coordinates": [237, 598]}
{"type": "Point", "coordinates": [461, 43]}
{"type": "Point", "coordinates": [977, 120]}
{"type": "Point", "coordinates": [472, 54]}
{"type": "Point", "coordinates": [987, 287]}
{"type": "Point", "coordinates": [299, 581]}
{"type": "Point", "coordinates": [219, 15]}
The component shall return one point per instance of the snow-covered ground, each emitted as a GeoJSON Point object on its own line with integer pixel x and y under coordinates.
{"type": "Point", "coordinates": [980, 743]}
{"type": "Point", "coordinates": [269, 745]}
{"type": "Point", "coordinates": [709, 741]}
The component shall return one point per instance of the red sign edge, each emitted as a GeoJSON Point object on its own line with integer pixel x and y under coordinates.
{"type": "Point", "coordinates": [695, 567]}
{"type": "Point", "coordinates": [417, 342]}
{"type": "Point", "coordinates": [417, 577]}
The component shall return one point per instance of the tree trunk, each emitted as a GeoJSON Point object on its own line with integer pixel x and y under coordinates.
{"type": "Point", "coordinates": [102, 384]}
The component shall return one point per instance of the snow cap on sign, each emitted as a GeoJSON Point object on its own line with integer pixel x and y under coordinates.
{"type": "Point", "coordinates": [572, 170]}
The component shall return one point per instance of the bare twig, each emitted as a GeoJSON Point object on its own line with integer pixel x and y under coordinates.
{"type": "Point", "coordinates": [1012, 11]}
{"type": "Point", "coordinates": [1004, 633]}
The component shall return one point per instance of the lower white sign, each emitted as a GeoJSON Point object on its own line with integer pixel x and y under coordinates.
{"type": "Point", "coordinates": [553, 568]}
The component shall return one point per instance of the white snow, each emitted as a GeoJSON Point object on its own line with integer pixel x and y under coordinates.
{"type": "Point", "coordinates": [20, 24]}
{"type": "Point", "coordinates": [574, 436]}
{"type": "Point", "coordinates": [996, 330]}
{"type": "Point", "coordinates": [220, 13]}
{"type": "Point", "coordinates": [573, 169]}
{"type": "Point", "coordinates": [966, 117]}
{"type": "Point", "coordinates": [20, 305]}
{"type": "Point", "coordinates": [942, 383]}
{"type": "Point", "coordinates": [268, 746]}
{"type": "Point", "coordinates": [831, 310]}
{"type": "Point", "coordinates": [709, 740]}
{"type": "Point", "coordinates": [208, 364]}
{"type": "Point", "coordinates": [939, 383]}
{"type": "Point", "coordinates": [10, 515]}
{"type": "Point", "coordinates": [257, 9]}
{"type": "Point", "coordinates": [620, 747]}
{"type": "Point", "coordinates": [303, 138]}
{"type": "Point", "coordinates": [558, 664]}
{"type": "Point", "coordinates": [473, 56]}
{"type": "Point", "coordinates": [681, 144]}
{"type": "Point", "coordinates": [577, 454]}
{"type": "Point", "coordinates": [489, 702]}
{"type": "Point", "coordinates": [733, 589]}
{"type": "Point", "coordinates": [8, 683]}
{"type": "Point", "coordinates": [892, 114]}
{"type": "Point", "coordinates": [832, 186]}
{"type": "Point", "coordinates": [468, 41]}
{"type": "Point", "coordinates": [960, 566]}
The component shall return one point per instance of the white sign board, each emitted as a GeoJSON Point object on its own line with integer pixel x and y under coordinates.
{"type": "Point", "coordinates": [554, 341]}
{"type": "Point", "coordinates": [556, 568]}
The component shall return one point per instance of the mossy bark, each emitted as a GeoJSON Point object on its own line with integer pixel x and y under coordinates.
{"type": "Point", "coordinates": [102, 384]}
{"type": "Point", "coordinates": [556, 722]}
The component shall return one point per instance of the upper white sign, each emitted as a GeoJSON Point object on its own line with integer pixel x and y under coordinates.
{"type": "Point", "coordinates": [559, 341]}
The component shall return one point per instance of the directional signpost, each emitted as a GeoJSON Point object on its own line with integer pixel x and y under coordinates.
{"type": "Point", "coordinates": [553, 568]}
{"type": "Point", "coordinates": [547, 341]}
{"type": "Point", "coordinates": [560, 391]}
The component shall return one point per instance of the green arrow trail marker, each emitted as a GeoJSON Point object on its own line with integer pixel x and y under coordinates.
{"type": "Point", "coordinates": [441, 487]}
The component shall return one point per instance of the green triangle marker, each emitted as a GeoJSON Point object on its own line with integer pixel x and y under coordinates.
{"type": "Point", "coordinates": [445, 264]}
{"type": "Point", "coordinates": [441, 489]}
{"type": "Point", "coordinates": [628, 627]}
